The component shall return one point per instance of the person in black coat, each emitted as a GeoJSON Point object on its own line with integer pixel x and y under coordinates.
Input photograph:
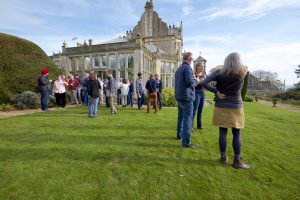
{"type": "Point", "coordinates": [93, 90]}
{"type": "Point", "coordinates": [44, 88]}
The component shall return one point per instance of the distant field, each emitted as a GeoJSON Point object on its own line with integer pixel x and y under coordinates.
{"type": "Point", "coordinates": [65, 155]}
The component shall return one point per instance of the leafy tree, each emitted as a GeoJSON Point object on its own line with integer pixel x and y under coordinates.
{"type": "Point", "coordinates": [297, 71]}
{"type": "Point", "coordinates": [245, 86]}
{"type": "Point", "coordinates": [212, 70]}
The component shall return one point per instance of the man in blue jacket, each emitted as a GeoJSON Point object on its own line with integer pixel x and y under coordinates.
{"type": "Point", "coordinates": [185, 96]}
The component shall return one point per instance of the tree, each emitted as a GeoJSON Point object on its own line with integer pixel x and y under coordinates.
{"type": "Point", "coordinates": [245, 86]}
{"type": "Point", "coordinates": [262, 75]}
{"type": "Point", "coordinates": [297, 71]}
{"type": "Point", "coordinates": [212, 70]}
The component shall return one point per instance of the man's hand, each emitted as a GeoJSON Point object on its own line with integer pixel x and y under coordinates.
{"type": "Point", "coordinates": [220, 96]}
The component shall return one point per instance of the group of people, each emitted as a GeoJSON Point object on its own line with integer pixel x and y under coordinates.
{"type": "Point", "coordinates": [91, 91]}
{"type": "Point", "coordinates": [226, 84]}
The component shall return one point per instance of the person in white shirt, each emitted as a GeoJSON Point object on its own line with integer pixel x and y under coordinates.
{"type": "Point", "coordinates": [59, 89]}
{"type": "Point", "coordinates": [101, 95]}
{"type": "Point", "coordinates": [124, 92]}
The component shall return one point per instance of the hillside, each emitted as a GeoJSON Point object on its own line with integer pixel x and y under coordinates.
{"type": "Point", "coordinates": [20, 65]}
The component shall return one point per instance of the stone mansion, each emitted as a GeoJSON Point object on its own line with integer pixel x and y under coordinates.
{"type": "Point", "coordinates": [151, 47]}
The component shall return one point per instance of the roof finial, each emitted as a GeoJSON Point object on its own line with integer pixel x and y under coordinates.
{"type": "Point", "coordinates": [149, 4]}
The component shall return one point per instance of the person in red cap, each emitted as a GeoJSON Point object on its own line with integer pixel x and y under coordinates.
{"type": "Point", "coordinates": [44, 88]}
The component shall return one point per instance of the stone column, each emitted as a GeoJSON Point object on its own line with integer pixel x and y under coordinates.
{"type": "Point", "coordinates": [100, 61]}
{"type": "Point", "coordinates": [118, 68]}
{"type": "Point", "coordinates": [76, 64]}
{"type": "Point", "coordinates": [84, 63]}
{"type": "Point", "coordinates": [137, 57]}
{"type": "Point", "coordinates": [108, 61]}
{"type": "Point", "coordinates": [126, 66]}
{"type": "Point", "coordinates": [92, 62]}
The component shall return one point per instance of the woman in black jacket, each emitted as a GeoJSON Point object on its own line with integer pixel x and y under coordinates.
{"type": "Point", "coordinates": [228, 111]}
{"type": "Point", "coordinates": [93, 90]}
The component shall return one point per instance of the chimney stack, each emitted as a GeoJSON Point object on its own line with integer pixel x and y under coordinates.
{"type": "Point", "coordinates": [90, 42]}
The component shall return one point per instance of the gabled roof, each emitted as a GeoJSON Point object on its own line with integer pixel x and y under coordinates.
{"type": "Point", "coordinates": [200, 58]}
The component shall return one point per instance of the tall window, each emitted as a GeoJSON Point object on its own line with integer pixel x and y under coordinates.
{"type": "Point", "coordinates": [96, 62]}
{"type": "Point", "coordinates": [130, 67]}
{"type": "Point", "coordinates": [113, 61]}
{"type": "Point", "coordinates": [103, 61]}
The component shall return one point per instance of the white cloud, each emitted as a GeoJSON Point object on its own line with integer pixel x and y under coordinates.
{"type": "Point", "coordinates": [248, 9]}
{"type": "Point", "coordinates": [256, 54]}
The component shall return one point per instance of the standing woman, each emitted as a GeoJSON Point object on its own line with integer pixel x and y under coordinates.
{"type": "Point", "coordinates": [59, 89]}
{"type": "Point", "coordinates": [200, 96]}
{"type": "Point", "coordinates": [229, 112]}
{"type": "Point", "coordinates": [93, 91]}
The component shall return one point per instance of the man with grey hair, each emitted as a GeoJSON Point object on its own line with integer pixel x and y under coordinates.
{"type": "Point", "coordinates": [111, 91]}
{"type": "Point", "coordinates": [185, 96]}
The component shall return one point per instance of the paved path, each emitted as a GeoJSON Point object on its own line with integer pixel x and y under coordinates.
{"type": "Point", "coordinates": [281, 105]}
{"type": "Point", "coordinates": [24, 112]}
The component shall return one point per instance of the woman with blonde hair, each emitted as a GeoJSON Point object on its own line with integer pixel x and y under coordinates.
{"type": "Point", "coordinates": [199, 96]}
{"type": "Point", "coordinates": [228, 112]}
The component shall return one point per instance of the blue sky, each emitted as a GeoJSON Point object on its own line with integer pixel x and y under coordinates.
{"type": "Point", "coordinates": [265, 32]}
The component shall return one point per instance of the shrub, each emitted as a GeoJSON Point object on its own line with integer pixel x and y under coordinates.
{"type": "Point", "coordinates": [7, 107]}
{"type": "Point", "coordinates": [26, 100]}
{"type": "Point", "coordinates": [168, 97]}
{"type": "Point", "coordinates": [245, 87]}
{"type": "Point", "coordinates": [248, 98]}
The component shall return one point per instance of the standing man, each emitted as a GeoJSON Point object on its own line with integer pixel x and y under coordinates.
{"type": "Point", "coordinates": [44, 88]}
{"type": "Point", "coordinates": [159, 91]}
{"type": "Point", "coordinates": [140, 91]}
{"type": "Point", "coordinates": [152, 93]}
{"type": "Point", "coordinates": [111, 91]}
{"type": "Point", "coordinates": [73, 85]}
{"type": "Point", "coordinates": [185, 96]}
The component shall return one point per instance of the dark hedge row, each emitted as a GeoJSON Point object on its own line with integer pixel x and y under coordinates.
{"type": "Point", "coordinates": [20, 64]}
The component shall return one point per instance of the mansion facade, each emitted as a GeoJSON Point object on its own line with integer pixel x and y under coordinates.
{"type": "Point", "coordinates": [151, 47]}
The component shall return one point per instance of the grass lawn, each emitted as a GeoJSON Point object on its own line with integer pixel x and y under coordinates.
{"type": "Point", "coordinates": [65, 155]}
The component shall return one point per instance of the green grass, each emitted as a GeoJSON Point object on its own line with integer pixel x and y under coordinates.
{"type": "Point", "coordinates": [65, 155]}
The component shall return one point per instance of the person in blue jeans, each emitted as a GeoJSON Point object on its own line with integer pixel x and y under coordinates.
{"type": "Point", "coordinates": [85, 84]}
{"type": "Point", "coordinates": [140, 91]}
{"type": "Point", "coordinates": [185, 96]}
{"type": "Point", "coordinates": [130, 94]}
{"type": "Point", "coordinates": [93, 91]}
{"type": "Point", "coordinates": [200, 96]}
{"type": "Point", "coordinates": [44, 88]}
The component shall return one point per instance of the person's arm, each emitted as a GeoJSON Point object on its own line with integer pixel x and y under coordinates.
{"type": "Point", "coordinates": [89, 89]}
{"type": "Point", "coordinates": [188, 76]}
{"type": "Point", "coordinates": [137, 88]}
{"type": "Point", "coordinates": [44, 81]}
{"type": "Point", "coordinates": [208, 80]}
